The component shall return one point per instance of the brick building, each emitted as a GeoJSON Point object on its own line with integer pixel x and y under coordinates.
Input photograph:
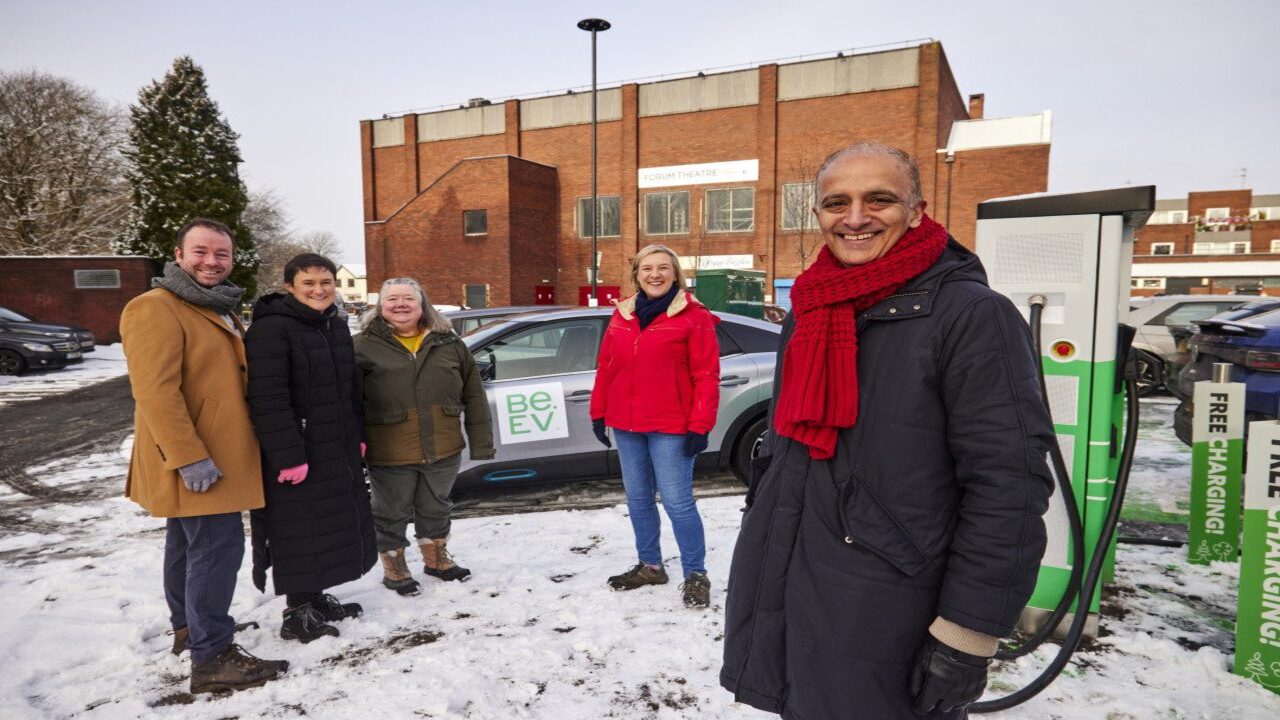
{"type": "Point", "coordinates": [493, 199]}
{"type": "Point", "coordinates": [1219, 242]}
{"type": "Point", "coordinates": [86, 290]}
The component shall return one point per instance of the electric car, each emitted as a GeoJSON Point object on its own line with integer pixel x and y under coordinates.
{"type": "Point", "coordinates": [1252, 346]}
{"type": "Point", "coordinates": [468, 319]}
{"type": "Point", "coordinates": [1157, 319]}
{"type": "Point", "coordinates": [539, 369]}
{"type": "Point", "coordinates": [1182, 335]}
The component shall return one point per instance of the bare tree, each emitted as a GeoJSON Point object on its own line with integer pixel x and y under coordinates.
{"type": "Point", "coordinates": [62, 187]}
{"type": "Point", "coordinates": [267, 221]}
{"type": "Point", "coordinates": [798, 196]}
{"type": "Point", "coordinates": [321, 242]}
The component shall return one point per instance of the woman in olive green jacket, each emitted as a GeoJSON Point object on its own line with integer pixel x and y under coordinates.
{"type": "Point", "coordinates": [419, 383]}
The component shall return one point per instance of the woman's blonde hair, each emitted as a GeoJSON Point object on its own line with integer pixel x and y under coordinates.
{"type": "Point", "coordinates": [432, 319]}
{"type": "Point", "coordinates": [648, 250]}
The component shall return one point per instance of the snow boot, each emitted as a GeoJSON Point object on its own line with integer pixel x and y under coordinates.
{"type": "Point", "coordinates": [639, 576]}
{"type": "Point", "coordinates": [234, 669]}
{"type": "Point", "coordinates": [438, 563]}
{"type": "Point", "coordinates": [304, 623]}
{"type": "Point", "coordinates": [395, 573]}
{"type": "Point", "coordinates": [696, 590]}
{"type": "Point", "coordinates": [180, 635]}
{"type": "Point", "coordinates": [332, 610]}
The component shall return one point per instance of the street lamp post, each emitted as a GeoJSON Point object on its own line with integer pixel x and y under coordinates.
{"type": "Point", "coordinates": [594, 25]}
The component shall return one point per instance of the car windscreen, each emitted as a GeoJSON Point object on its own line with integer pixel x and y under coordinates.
{"type": "Point", "coordinates": [7, 314]}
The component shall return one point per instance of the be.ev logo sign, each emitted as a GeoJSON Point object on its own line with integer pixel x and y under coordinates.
{"type": "Point", "coordinates": [531, 412]}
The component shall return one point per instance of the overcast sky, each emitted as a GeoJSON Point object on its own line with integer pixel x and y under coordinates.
{"type": "Point", "coordinates": [1175, 93]}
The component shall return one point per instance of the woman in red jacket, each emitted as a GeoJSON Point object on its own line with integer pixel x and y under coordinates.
{"type": "Point", "coordinates": [658, 387]}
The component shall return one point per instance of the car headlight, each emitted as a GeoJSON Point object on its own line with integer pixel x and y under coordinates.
{"type": "Point", "coordinates": [37, 347]}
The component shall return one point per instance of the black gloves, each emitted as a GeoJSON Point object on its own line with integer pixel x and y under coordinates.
{"type": "Point", "coordinates": [944, 679]}
{"type": "Point", "coordinates": [597, 427]}
{"type": "Point", "coordinates": [694, 443]}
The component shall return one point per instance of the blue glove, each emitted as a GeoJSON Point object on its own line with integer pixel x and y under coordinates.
{"type": "Point", "coordinates": [694, 443]}
{"type": "Point", "coordinates": [597, 427]}
{"type": "Point", "coordinates": [200, 476]}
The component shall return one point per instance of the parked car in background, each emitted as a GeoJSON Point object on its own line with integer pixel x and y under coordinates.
{"type": "Point", "coordinates": [1155, 318]}
{"type": "Point", "coordinates": [467, 319]}
{"type": "Point", "coordinates": [1252, 347]}
{"type": "Point", "coordinates": [20, 352]}
{"type": "Point", "coordinates": [12, 321]}
{"type": "Point", "coordinates": [539, 370]}
{"type": "Point", "coordinates": [1182, 335]}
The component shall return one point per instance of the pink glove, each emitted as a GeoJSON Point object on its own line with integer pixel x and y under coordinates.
{"type": "Point", "coordinates": [363, 448]}
{"type": "Point", "coordinates": [293, 475]}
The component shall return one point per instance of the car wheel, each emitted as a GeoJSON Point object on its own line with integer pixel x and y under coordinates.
{"type": "Point", "coordinates": [746, 448]}
{"type": "Point", "coordinates": [11, 363]}
{"type": "Point", "coordinates": [1149, 377]}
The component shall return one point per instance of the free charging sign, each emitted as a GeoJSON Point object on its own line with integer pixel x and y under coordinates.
{"type": "Point", "coordinates": [1258, 611]}
{"type": "Point", "coordinates": [1217, 451]}
{"type": "Point", "coordinates": [531, 412]}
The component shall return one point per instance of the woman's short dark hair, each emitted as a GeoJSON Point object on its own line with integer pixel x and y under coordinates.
{"type": "Point", "coordinates": [306, 261]}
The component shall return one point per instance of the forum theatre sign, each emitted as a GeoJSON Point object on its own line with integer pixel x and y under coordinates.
{"type": "Point", "coordinates": [699, 174]}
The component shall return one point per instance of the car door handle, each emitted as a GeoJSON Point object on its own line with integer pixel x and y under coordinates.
{"type": "Point", "coordinates": [732, 380]}
{"type": "Point", "coordinates": [578, 396]}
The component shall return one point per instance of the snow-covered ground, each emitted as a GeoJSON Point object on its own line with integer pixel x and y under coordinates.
{"type": "Point", "coordinates": [536, 634]}
{"type": "Point", "coordinates": [104, 363]}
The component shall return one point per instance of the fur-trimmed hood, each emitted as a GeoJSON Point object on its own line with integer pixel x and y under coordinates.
{"type": "Point", "coordinates": [683, 299]}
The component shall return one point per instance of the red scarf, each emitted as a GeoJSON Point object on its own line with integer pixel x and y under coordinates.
{"type": "Point", "coordinates": [820, 369]}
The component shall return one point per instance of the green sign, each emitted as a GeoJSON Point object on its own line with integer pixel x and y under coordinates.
{"type": "Point", "coordinates": [1217, 450]}
{"type": "Point", "coordinates": [1258, 611]}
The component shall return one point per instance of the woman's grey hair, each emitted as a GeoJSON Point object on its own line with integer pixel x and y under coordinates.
{"type": "Point", "coordinates": [648, 250]}
{"type": "Point", "coordinates": [915, 196]}
{"type": "Point", "coordinates": [432, 319]}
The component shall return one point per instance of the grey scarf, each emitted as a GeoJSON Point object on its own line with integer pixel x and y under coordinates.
{"type": "Point", "coordinates": [221, 298]}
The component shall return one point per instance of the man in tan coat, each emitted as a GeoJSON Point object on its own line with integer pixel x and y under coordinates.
{"type": "Point", "coordinates": [195, 457]}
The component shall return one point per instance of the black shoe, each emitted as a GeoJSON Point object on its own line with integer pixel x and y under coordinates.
{"type": "Point", "coordinates": [405, 587]}
{"type": "Point", "coordinates": [696, 590]}
{"type": "Point", "coordinates": [332, 610]}
{"type": "Point", "coordinates": [639, 576]}
{"type": "Point", "coordinates": [304, 624]}
{"type": "Point", "coordinates": [234, 669]}
{"type": "Point", "coordinates": [181, 634]}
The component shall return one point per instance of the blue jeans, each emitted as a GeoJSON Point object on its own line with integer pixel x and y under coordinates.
{"type": "Point", "coordinates": [656, 461]}
{"type": "Point", "coordinates": [202, 555]}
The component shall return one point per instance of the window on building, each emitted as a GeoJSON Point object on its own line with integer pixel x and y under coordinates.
{"type": "Point", "coordinates": [1238, 247]}
{"type": "Point", "coordinates": [475, 222]}
{"type": "Point", "coordinates": [797, 207]}
{"type": "Point", "coordinates": [666, 213]}
{"type": "Point", "coordinates": [97, 279]}
{"type": "Point", "coordinates": [1177, 216]}
{"type": "Point", "coordinates": [610, 216]}
{"type": "Point", "coordinates": [351, 282]}
{"type": "Point", "coordinates": [731, 210]}
{"type": "Point", "coordinates": [1218, 213]}
{"type": "Point", "coordinates": [1147, 283]}
{"type": "Point", "coordinates": [1161, 248]}
{"type": "Point", "coordinates": [1275, 246]}
{"type": "Point", "coordinates": [1265, 213]}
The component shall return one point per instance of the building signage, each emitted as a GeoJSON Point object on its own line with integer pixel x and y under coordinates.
{"type": "Point", "coordinates": [716, 262]}
{"type": "Point", "coordinates": [700, 174]}
{"type": "Point", "coordinates": [531, 412]}
{"type": "Point", "coordinates": [1217, 451]}
{"type": "Point", "coordinates": [1258, 611]}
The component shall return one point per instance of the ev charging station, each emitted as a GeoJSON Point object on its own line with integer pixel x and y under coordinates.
{"type": "Point", "coordinates": [1072, 254]}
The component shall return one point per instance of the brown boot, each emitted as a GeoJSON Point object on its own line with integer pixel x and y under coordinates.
{"type": "Point", "coordinates": [395, 573]}
{"type": "Point", "coordinates": [438, 563]}
{"type": "Point", "coordinates": [181, 634]}
{"type": "Point", "coordinates": [234, 669]}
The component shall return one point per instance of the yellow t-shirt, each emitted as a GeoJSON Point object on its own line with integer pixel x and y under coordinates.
{"type": "Point", "coordinates": [411, 343]}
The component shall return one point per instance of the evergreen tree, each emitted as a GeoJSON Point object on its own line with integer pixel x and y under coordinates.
{"type": "Point", "coordinates": [185, 164]}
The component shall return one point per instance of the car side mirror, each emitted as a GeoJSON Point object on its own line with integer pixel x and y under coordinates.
{"type": "Point", "coordinates": [487, 370]}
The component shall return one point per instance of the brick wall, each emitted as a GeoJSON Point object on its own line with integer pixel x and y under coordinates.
{"type": "Point", "coordinates": [44, 288]}
{"type": "Point", "coordinates": [1237, 200]}
{"type": "Point", "coordinates": [789, 139]}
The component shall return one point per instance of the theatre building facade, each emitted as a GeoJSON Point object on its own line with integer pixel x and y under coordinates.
{"type": "Point", "coordinates": [490, 203]}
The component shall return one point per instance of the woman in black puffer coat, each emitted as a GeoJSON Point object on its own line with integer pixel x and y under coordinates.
{"type": "Point", "coordinates": [316, 530]}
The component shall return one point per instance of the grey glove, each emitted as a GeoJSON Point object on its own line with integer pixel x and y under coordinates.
{"type": "Point", "coordinates": [200, 476]}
